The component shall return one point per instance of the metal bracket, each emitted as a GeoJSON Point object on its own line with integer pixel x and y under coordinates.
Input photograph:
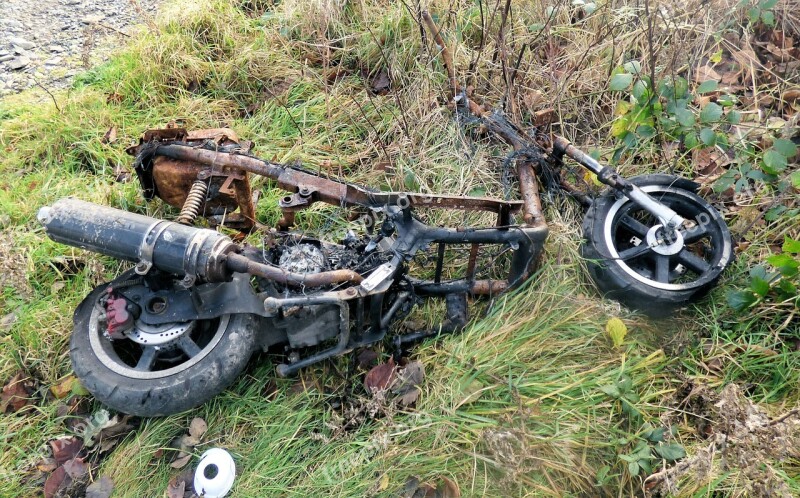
{"type": "Point", "coordinates": [148, 244]}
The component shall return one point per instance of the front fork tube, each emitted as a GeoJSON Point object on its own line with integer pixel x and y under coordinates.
{"type": "Point", "coordinates": [669, 219]}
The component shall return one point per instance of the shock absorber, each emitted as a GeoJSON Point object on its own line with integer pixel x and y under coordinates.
{"type": "Point", "coordinates": [194, 201]}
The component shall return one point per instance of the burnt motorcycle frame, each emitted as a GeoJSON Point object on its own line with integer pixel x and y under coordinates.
{"type": "Point", "coordinates": [362, 304]}
{"type": "Point", "coordinates": [185, 274]}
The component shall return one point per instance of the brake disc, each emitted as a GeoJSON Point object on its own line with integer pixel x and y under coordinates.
{"type": "Point", "coordinates": [157, 335]}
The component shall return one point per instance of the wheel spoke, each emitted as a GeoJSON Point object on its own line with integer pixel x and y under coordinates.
{"type": "Point", "coordinates": [188, 346]}
{"type": "Point", "coordinates": [693, 262]}
{"type": "Point", "coordinates": [697, 233]}
{"type": "Point", "coordinates": [634, 226]}
{"type": "Point", "coordinates": [634, 252]}
{"type": "Point", "coordinates": [662, 268]}
{"type": "Point", "coordinates": [147, 359]}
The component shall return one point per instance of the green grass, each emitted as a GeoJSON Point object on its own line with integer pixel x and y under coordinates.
{"type": "Point", "coordinates": [517, 404]}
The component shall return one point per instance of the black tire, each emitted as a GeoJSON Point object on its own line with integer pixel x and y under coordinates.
{"type": "Point", "coordinates": [170, 390]}
{"type": "Point", "coordinates": [654, 283]}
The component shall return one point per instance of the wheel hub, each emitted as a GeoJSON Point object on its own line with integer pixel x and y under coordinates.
{"type": "Point", "coordinates": [157, 335]}
{"type": "Point", "coordinates": [661, 242]}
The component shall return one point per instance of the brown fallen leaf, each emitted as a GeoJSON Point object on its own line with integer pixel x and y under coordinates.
{"type": "Point", "coordinates": [409, 397]}
{"type": "Point", "coordinates": [112, 434]}
{"type": "Point", "coordinates": [75, 467]}
{"type": "Point", "coordinates": [62, 389]}
{"type": "Point", "coordinates": [7, 321]}
{"type": "Point", "coordinates": [367, 358]}
{"type": "Point", "coordinates": [121, 174]}
{"type": "Point", "coordinates": [55, 481]}
{"type": "Point", "coordinates": [176, 490]}
{"type": "Point", "coordinates": [380, 83]}
{"type": "Point", "coordinates": [709, 162]}
{"type": "Point", "coordinates": [380, 377]}
{"type": "Point", "coordinates": [110, 136]}
{"type": "Point", "coordinates": [448, 488]}
{"type": "Point", "coordinates": [182, 485]}
{"type": "Point", "coordinates": [544, 117]}
{"type": "Point", "coordinates": [47, 464]}
{"type": "Point", "coordinates": [61, 478]}
{"type": "Point", "coordinates": [65, 449]}
{"type": "Point", "coordinates": [101, 488]}
{"type": "Point", "coordinates": [16, 393]}
{"type": "Point", "coordinates": [197, 427]}
{"type": "Point", "coordinates": [705, 73]}
{"type": "Point", "coordinates": [181, 461]}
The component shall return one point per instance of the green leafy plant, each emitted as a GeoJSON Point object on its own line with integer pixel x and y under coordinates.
{"type": "Point", "coordinates": [669, 107]}
{"type": "Point", "coordinates": [761, 12]}
{"type": "Point", "coordinates": [648, 447]}
{"type": "Point", "coordinates": [622, 391]}
{"type": "Point", "coordinates": [778, 284]}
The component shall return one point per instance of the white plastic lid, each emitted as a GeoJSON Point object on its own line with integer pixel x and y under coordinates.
{"type": "Point", "coordinates": [215, 474]}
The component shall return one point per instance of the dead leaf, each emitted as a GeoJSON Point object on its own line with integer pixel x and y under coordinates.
{"type": "Point", "coordinates": [383, 484]}
{"type": "Point", "coordinates": [65, 449]}
{"type": "Point", "coordinates": [182, 485]}
{"type": "Point", "coordinates": [47, 465]}
{"type": "Point", "coordinates": [8, 321]}
{"type": "Point", "coordinates": [380, 377]}
{"type": "Point", "coordinates": [409, 397]}
{"type": "Point", "coordinates": [61, 478]}
{"type": "Point", "coordinates": [55, 481]}
{"type": "Point", "coordinates": [544, 117]}
{"type": "Point", "coordinates": [176, 490]}
{"type": "Point", "coordinates": [101, 488]}
{"type": "Point", "coordinates": [110, 136]}
{"type": "Point", "coordinates": [380, 84]}
{"type": "Point", "coordinates": [448, 488]}
{"type": "Point", "coordinates": [75, 467]}
{"type": "Point", "coordinates": [748, 60]}
{"type": "Point", "coordinates": [181, 461]}
{"type": "Point", "coordinates": [709, 163]}
{"type": "Point", "coordinates": [472, 392]}
{"type": "Point", "coordinates": [121, 175]}
{"type": "Point", "coordinates": [16, 393]}
{"type": "Point", "coordinates": [112, 434]}
{"type": "Point", "coordinates": [705, 73]}
{"type": "Point", "coordinates": [64, 387]}
{"type": "Point", "coordinates": [197, 427]}
{"type": "Point", "coordinates": [367, 358]}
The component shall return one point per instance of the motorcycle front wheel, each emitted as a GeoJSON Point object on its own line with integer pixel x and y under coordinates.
{"type": "Point", "coordinates": [159, 370]}
{"type": "Point", "coordinates": [633, 260]}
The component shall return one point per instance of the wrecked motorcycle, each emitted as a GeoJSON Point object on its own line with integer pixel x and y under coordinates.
{"type": "Point", "coordinates": [181, 325]}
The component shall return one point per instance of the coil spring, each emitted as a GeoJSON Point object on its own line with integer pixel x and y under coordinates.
{"type": "Point", "coordinates": [194, 201]}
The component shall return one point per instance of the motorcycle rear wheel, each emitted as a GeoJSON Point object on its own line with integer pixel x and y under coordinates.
{"type": "Point", "coordinates": [203, 359]}
{"type": "Point", "coordinates": [628, 264]}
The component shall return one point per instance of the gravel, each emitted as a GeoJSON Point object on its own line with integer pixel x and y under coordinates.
{"type": "Point", "coordinates": [50, 41]}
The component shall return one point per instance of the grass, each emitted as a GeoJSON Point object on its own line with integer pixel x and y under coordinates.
{"type": "Point", "coordinates": [518, 404]}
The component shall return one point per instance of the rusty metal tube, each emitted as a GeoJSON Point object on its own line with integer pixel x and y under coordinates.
{"type": "Point", "coordinates": [241, 264]}
{"type": "Point", "coordinates": [214, 158]}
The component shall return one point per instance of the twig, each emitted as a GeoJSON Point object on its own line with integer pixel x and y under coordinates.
{"type": "Point", "coordinates": [447, 57]}
{"type": "Point", "coordinates": [112, 28]}
{"type": "Point", "coordinates": [55, 103]}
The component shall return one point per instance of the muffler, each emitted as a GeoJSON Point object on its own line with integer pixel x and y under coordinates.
{"type": "Point", "coordinates": [196, 253]}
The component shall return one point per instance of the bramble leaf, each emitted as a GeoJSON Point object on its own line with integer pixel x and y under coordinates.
{"type": "Point", "coordinates": [711, 112]}
{"type": "Point", "coordinates": [620, 82]}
